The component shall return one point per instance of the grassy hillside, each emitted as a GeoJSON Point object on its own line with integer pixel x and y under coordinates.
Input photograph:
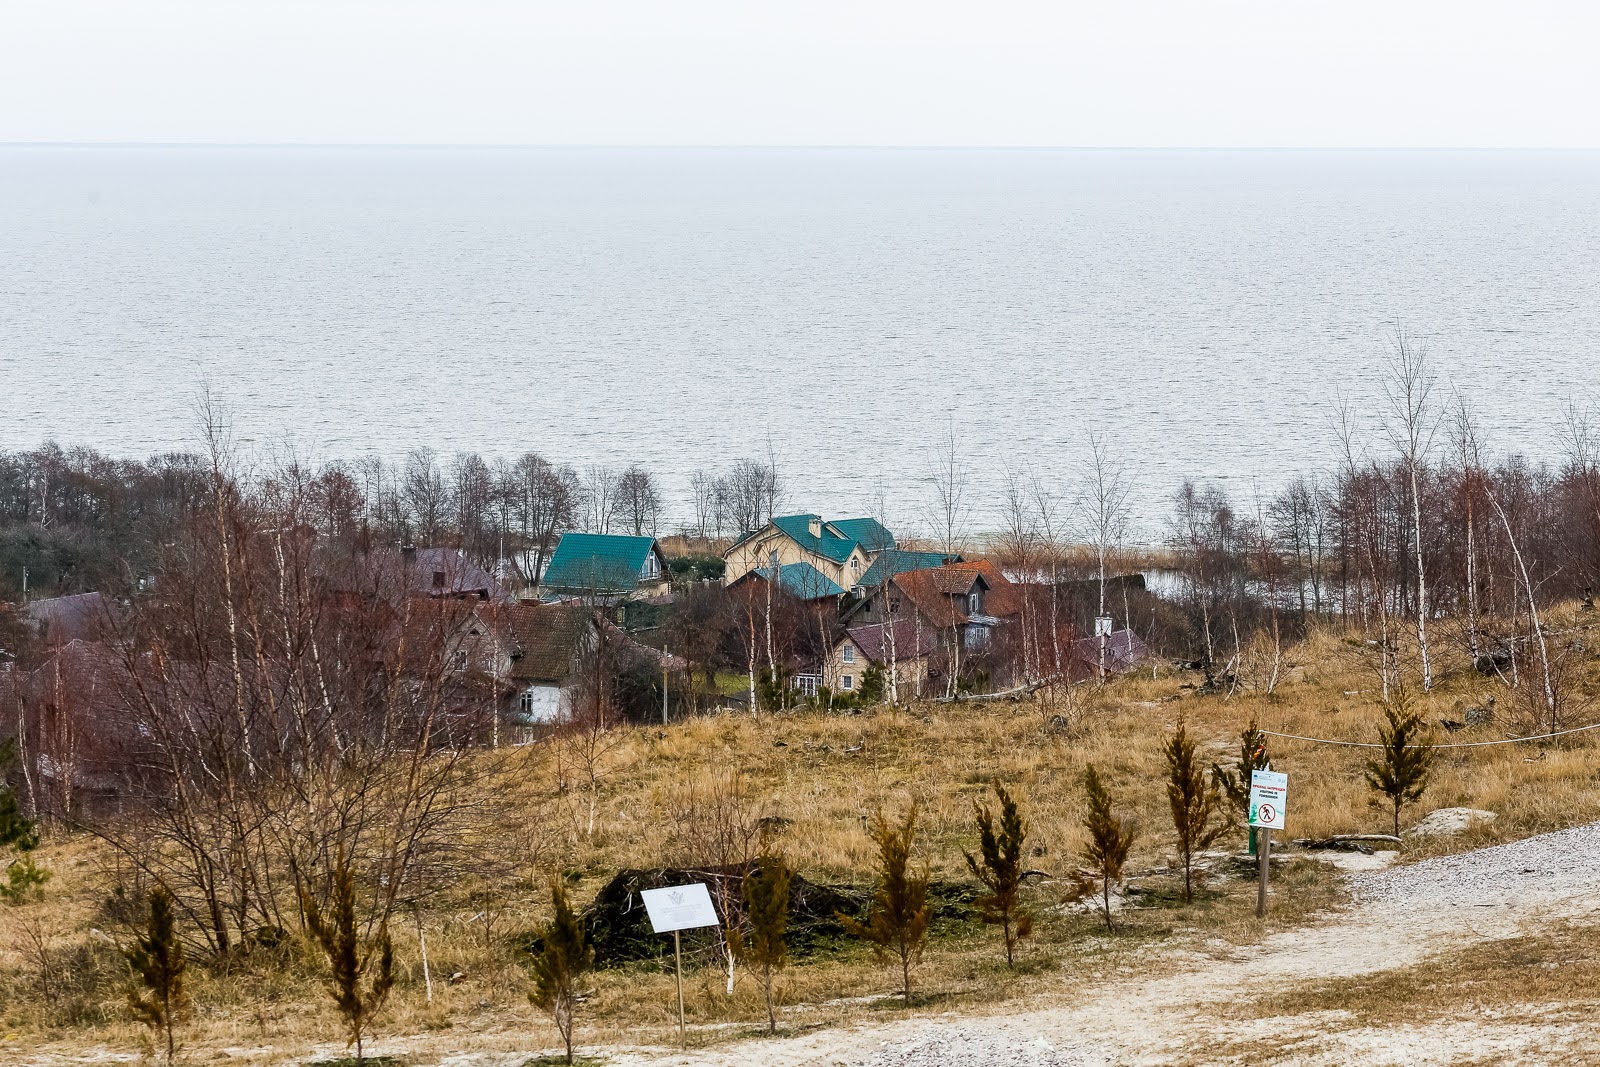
{"type": "Point", "coordinates": [817, 780]}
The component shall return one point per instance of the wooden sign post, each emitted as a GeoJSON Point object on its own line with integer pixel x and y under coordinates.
{"type": "Point", "coordinates": [675, 909]}
{"type": "Point", "coordinates": [1269, 797]}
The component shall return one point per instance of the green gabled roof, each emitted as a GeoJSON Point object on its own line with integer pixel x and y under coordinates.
{"type": "Point", "coordinates": [870, 534]}
{"type": "Point", "coordinates": [899, 561]}
{"type": "Point", "coordinates": [830, 545]}
{"type": "Point", "coordinates": [597, 562]}
{"type": "Point", "coordinates": [804, 581]}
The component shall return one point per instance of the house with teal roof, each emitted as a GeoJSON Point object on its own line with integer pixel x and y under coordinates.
{"type": "Point", "coordinates": [900, 560]}
{"type": "Point", "coordinates": [840, 550]}
{"type": "Point", "coordinates": [800, 580]}
{"type": "Point", "coordinates": [610, 566]}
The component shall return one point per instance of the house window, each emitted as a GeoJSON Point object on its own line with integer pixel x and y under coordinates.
{"type": "Point", "coordinates": [973, 607]}
{"type": "Point", "coordinates": [461, 659]}
{"type": "Point", "coordinates": [848, 654]}
{"type": "Point", "coordinates": [849, 682]}
{"type": "Point", "coordinates": [807, 683]}
{"type": "Point", "coordinates": [438, 579]}
{"type": "Point", "coordinates": [894, 605]}
{"type": "Point", "coordinates": [772, 558]}
{"type": "Point", "coordinates": [855, 563]}
{"type": "Point", "coordinates": [525, 702]}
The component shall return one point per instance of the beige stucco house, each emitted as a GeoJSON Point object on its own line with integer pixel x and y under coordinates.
{"type": "Point", "coordinates": [842, 550]}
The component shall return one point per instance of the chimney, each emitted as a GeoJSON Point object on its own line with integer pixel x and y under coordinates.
{"type": "Point", "coordinates": [816, 527]}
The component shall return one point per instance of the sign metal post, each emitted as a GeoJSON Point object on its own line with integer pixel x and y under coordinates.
{"type": "Point", "coordinates": [677, 960]}
{"type": "Point", "coordinates": [675, 909]}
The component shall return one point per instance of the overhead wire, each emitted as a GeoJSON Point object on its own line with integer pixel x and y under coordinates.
{"type": "Point", "coordinates": [1459, 744]}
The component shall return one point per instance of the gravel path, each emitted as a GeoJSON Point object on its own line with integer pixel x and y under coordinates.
{"type": "Point", "coordinates": [1548, 867]}
{"type": "Point", "coordinates": [979, 1046]}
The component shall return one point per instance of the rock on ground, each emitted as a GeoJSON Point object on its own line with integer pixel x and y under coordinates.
{"type": "Point", "coordinates": [1450, 821]}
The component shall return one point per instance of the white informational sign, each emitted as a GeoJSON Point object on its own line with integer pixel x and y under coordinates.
{"type": "Point", "coordinates": [1269, 797]}
{"type": "Point", "coordinates": [680, 907]}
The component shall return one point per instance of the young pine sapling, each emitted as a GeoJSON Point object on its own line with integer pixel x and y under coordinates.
{"type": "Point", "coordinates": [1235, 783]}
{"type": "Point", "coordinates": [159, 1000]}
{"type": "Point", "coordinates": [1401, 770]}
{"type": "Point", "coordinates": [18, 833]}
{"type": "Point", "coordinates": [766, 905]}
{"type": "Point", "coordinates": [564, 956]}
{"type": "Point", "coordinates": [998, 865]}
{"type": "Point", "coordinates": [1110, 838]}
{"type": "Point", "coordinates": [349, 961]}
{"type": "Point", "coordinates": [1194, 802]}
{"type": "Point", "coordinates": [897, 920]}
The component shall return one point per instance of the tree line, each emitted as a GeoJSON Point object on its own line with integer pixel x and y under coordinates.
{"type": "Point", "coordinates": [73, 519]}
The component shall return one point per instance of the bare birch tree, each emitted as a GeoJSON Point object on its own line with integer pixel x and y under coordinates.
{"type": "Point", "coordinates": [1411, 429]}
{"type": "Point", "coordinates": [1103, 505]}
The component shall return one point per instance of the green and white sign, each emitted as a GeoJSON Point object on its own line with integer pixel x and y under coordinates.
{"type": "Point", "coordinates": [1269, 797]}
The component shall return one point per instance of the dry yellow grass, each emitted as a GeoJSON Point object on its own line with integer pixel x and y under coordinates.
{"type": "Point", "coordinates": [827, 774]}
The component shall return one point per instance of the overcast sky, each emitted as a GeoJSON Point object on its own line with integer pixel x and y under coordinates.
{"type": "Point", "coordinates": [859, 72]}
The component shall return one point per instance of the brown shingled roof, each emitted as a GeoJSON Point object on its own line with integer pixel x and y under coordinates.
{"type": "Point", "coordinates": [925, 590]}
{"type": "Point", "coordinates": [873, 641]}
{"type": "Point", "coordinates": [545, 639]}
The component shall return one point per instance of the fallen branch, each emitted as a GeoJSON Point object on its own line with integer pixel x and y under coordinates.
{"type": "Point", "coordinates": [1347, 842]}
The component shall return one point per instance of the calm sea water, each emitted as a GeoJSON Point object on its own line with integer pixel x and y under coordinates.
{"type": "Point", "coordinates": [684, 308]}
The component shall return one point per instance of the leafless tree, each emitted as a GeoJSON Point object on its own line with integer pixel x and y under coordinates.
{"type": "Point", "coordinates": [599, 501]}
{"type": "Point", "coordinates": [1103, 505]}
{"type": "Point", "coordinates": [546, 505]}
{"type": "Point", "coordinates": [1463, 438]}
{"type": "Point", "coordinates": [747, 496]}
{"type": "Point", "coordinates": [472, 496]}
{"type": "Point", "coordinates": [716, 830]}
{"type": "Point", "coordinates": [272, 703]}
{"type": "Point", "coordinates": [1549, 673]}
{"type": "Point", "coordinates": [1019, 537]}
{"type": "Point", "coordinates": [593, 734]}
{"type": "Point", "coordinates": [703, 489]}
{"type": "Point", "coordinates": [1049, 522]}
{"type": "Point", "coordinates": [638, 500]}
{"type": "Point", "coordinates": [1411, 428]}
{"type": "Point", "coordinates": [425, 495]}
{"type": "Point", "coordinates": [949, 511]}
{"type": "Point", "coordinates": [1580, 442]}
{"type": "Point", "coordinates": [1362, 515]}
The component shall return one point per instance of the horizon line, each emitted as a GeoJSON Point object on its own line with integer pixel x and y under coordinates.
{"type": "Point", "coordinates": [733, 146]}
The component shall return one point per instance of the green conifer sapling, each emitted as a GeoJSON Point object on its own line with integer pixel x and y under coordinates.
{"type": "Point", "coordinates": [1109, 838]}
{"type": "Point", "coordinates": [339, 935]}
{"type": "Point", "coordinates": [999, 866]}
{"type": "Point", "coordinates": [897, 920]}
{"type": "Point", "coordinates": [766, 905]}
{"type": "Point", "coordinates": [1404, 762]}
{"type": "Point", "coordinates": [1193, 800]}
{"type": "Point", "coordinates": [159, 1000]}
{"type": "Point", "coordinates": [564, 956]}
